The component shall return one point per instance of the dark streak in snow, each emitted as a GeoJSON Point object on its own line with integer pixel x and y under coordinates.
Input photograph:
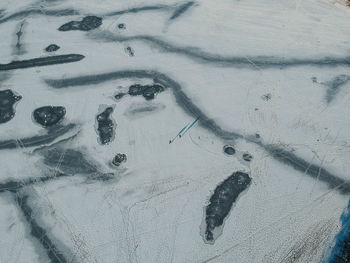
{"type": "Point", "coordinates": [138, 110]}
{"type": "Point", "coordinates": [315, 171]}
{"type": "Point", "coordinates": [14, 186]}
{"type": "Point", "coordinates": [19, 33]}
{"type": "Point", "coordinates": [39, 11]}
{"type": "Point", "coordinates": [139, 9]}
{"type": "Point", "coordinates": [39, 232]}
{"type": "Point", "coordinates": [72, 12]}
{"type": "Point", "coordinates": [39, 62]}
{"type": "Point", "coordinates": [180, 10]}
{"type": "Point", "coordinates": [38, 140]}
{"type": "Point", "coordinates": [259, 62]}
{"type": "Point", "coordinates": [334, 86]}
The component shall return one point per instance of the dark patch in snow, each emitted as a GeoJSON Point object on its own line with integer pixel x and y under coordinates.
{"type": "Point", "coordinates": [180, 10]}
{"type": "Point", "coordinates": [229, 150]}
{"type": "Point", "coordinates": [266, 97]}
{"type": "Point", "coordinates": [49, 115]}
{"type": "Point", "coordinates": [247, 157]}
{"type": "Point", "coordinates": [130, 51]}
{"type": "Point", "coordinates": [8, 99]}
{"type": "Point", "coordinates": [121, 26]}
{"type": "Point", "coordinates": [119, 96]}
{"type": "Point", "coordinates": [52, 48]}
{"type": "Point", "coordinates": [119, 158]}
{"type": "Point", "coordinates": [220, 203]}
{"type": "Point", "coordinates": [147, 91]}
{"type": "Point", "coordinates": [105, 126]}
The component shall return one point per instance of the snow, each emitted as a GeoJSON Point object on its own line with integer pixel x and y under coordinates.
{"type": "Point", "coordinates": [152, 208]}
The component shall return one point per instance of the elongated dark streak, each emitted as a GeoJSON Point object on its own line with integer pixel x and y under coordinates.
{"type": "Point", "coordinates": [335, 85]}
{"type": "Point", "coordinates": [259, 62]}
{"type": "Point", "coordinates": [39, 232]}
{"type": "Point", "coordinates": [181, 9]}
{"type": "Point", "coordinates": [16, 185]}
{"type": "Point", "coordinates": [19, 35]}
{"type": "Point", "coordinates": [139, 9]}
{"type": "Point", "coordinates": [71, 12]}
{"type": "Point", "coordinates": [315, 171]}
{"type": "Point", "coordinates": [39, 62]}
{"type": "Point", "coordinates": [38, 140]}
{"type": "Point", "coordinates": [39, 11]}
{"type": "Point", "coordinates": [279, 154]}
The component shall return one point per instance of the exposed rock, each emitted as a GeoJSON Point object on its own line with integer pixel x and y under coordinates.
{"type": "Point", "coordinates": [52, 48]}
{"type": "Point", "coordinates": [7, 101]}
{"type": "Point", "coordinates": [49, 115]}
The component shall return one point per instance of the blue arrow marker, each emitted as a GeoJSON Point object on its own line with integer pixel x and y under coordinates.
{"type": "Point", "coordinates": [178, 133]}
{"type": "Point", "coordinates": [189, 127]}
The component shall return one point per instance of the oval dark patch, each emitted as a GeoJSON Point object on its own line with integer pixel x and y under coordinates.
{"type": "Point", "coordinates": [52, 48]}
{"type": "Point", "coordinates": [119, 158]}
{"type": "Point", "coordinates": [147, 91]}
{"type": "Point", "coordinates": [49, 115]}
{"type": "Point", "coordinates": [228, 149]}
{"type": "Point", "coordinates": [121, 26]}
{"type": "Point", "coordinates": [247, 157]}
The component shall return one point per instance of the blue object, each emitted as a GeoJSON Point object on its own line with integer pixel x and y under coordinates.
{"type": "Point", "coordinates": [193, 123]}
{"type": "Point", "coordinates": [179, 133]}
{"type": "Point", "coordinates": [341, 249]}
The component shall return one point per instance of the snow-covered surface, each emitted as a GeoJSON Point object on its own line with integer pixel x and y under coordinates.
{"type": "Point", "coordinates": [234, 61]}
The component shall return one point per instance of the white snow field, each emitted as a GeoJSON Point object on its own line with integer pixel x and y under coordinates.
{"type": "Point", "coordinates": [269, 79]}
